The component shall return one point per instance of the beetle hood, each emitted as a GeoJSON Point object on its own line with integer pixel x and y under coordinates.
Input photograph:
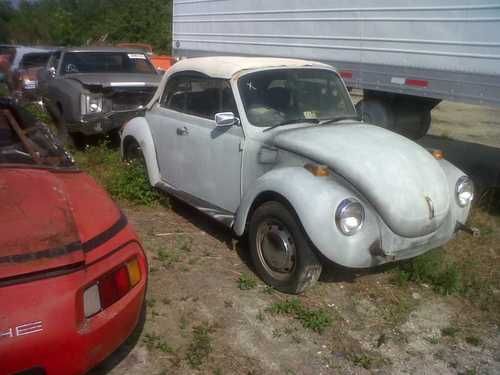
{"type": "Point", "coordinates": [402, 180]}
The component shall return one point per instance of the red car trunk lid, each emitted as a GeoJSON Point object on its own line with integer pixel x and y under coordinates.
{"type": "Point", "coordinates": [47, 218]}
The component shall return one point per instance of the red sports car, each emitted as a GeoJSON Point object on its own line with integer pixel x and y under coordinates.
{"type": "Point", "coordinates": [72, 272]}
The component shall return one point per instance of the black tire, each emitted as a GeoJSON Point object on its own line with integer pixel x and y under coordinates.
{"type": "Point", "coordinates": [306, 269]}
{"type": "Point", "coordinates": [376, 112]}
{"type": "Point", "coordinates": [133, 152]}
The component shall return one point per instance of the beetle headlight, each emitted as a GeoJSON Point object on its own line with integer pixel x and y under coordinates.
{"type": "Point", "coordinates": [464, 191]}
{"type": "Point", "coordinates": [350, 216]}
{"type": "Point", "coordinates": [91, 103]}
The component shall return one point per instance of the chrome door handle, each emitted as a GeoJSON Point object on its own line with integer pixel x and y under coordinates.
{"type": "Point", "coordinates": [182, 131]}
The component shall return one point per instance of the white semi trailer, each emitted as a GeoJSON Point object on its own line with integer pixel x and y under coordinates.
{"type": "Point", "coordinates": [405, 55]}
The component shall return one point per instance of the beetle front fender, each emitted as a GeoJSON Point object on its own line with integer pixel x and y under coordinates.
{"type": "Point", "coordinates": [315, 200]}
{"type": "Point", "coordinates": [137, 129]}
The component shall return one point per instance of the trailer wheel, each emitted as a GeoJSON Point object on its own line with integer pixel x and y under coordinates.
{"type": "Point", "coordinates": [422, 127]}
{"type": "Point", "coordinates": [375, 111]}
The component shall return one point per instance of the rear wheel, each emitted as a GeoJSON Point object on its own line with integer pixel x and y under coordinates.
{"type": "Point", "coordinates": [133, 152]}
{"type": "Point", "coordinates": [280, 250]}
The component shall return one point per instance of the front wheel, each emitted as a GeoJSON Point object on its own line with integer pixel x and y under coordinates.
{"type": "Point", "coordinates": [280, 250]}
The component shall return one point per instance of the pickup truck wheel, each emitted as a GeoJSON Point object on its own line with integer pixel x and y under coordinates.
{"type": "Point", "coordinates": [280, 250]}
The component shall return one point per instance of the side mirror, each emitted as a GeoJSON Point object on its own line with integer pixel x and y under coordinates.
{"type": "Point", "coordinates": [52, 72]}
{"type": "Point", "coordinates": [225, 119]}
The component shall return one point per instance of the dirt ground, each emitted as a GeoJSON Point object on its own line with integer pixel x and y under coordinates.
{"type": "Point", "coordinates": [201, 318]}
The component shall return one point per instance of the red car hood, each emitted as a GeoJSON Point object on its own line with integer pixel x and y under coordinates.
{"type": "Point", "coordinates": [48, 219]}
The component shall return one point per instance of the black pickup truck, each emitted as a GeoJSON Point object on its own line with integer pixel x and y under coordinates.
{"type": "Point", "coordinates": [96, 90]}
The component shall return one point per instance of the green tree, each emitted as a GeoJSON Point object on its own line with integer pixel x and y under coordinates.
{"type": "Point", "coordinates": [83, 22]}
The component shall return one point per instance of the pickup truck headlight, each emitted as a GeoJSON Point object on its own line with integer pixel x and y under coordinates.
{"type": "Point", "coordinates": [91, 103]}
{"type": "Point", "coordinates": [464, 191]}
{"type": "Point", "coordinates": [350, 216]}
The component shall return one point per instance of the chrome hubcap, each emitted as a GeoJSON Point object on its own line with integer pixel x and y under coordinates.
{"type": "Point", "coordinates": [276, 248]}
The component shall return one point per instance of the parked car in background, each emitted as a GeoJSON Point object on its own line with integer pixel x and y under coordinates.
{"type": "Point", "coordinates": [273, 148]}
{"type": "Point", "coordinates": [72, 271]}
{"type": "Point", "coordinates": [22, 66]}
{"type": "Point", "coordinates": [161, 62]}
{"type": "Point", "coordinates": [96, 90]}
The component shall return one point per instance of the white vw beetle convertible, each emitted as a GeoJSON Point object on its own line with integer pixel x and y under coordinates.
{"type": "Point", "coordinates": [273, 148]}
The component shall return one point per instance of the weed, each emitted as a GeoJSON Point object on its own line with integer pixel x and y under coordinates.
{"type": "Point", "coordinates": [217, 371]}
{"type": "Point", "coordinates": [450, 331]}
{"type": "Point", "coordinates": [314, 319]}
{"type": "Point", "coordinates": [166, 301]}
{"type": "Point", "coordinates": [433, 269]}
{"type": "Point", "coordinates": [361, 360]}
{"type": "Point", "coordinates": [167, 258]}
{"type": "Point", "coordinates": [268, 289]}
{"type": "Point", "coordinates": [150, 302]}
{"type": "Point", "coordinates": [200, 347]}
{"type": "Point", "coordinates": [125, 181]}
{"type": "Point", "coordinates": [260, 316]}
{"type": "Point", "coordinates": [183, 323]}
{"type": "Point", "coordinates": [434, 340]}
{"type": "Point", "coordinates": [368, 361]}
{"type": "Point", "coordinates": [154, 341]}
{"type": "Point", "coordinates": [246, 282]}
{"type": "Point", "coordinates": [473, 340]}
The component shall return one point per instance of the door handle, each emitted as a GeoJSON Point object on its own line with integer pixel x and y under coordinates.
{"type": "Point", "coordinates": [182, 131]}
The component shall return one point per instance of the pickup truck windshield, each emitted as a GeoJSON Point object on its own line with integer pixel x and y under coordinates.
{"type": "Point", "coordinates": [286, 96]}
{"type": "Point", "coordinates": [106, 62]}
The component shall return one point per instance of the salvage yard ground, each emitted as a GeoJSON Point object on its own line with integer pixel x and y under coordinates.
{"type": "Point", "coordinates": [207, 312]}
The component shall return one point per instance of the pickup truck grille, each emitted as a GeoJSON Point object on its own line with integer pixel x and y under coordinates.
{"type": "Point", "coordinates": [129, 98]}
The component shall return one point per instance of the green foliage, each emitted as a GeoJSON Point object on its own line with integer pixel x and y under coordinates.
{"type": "Point", "coordinates": [154, 341]}
{"type": "Point", "coordinates": [200, 347]}
{"type": "Point", "coordinates": [246, 282]}
{"type": "Point", "coordinates": [82, 22]}
{"type": "Point", "coordinates": [124, 181]}
{"type": "Point", "coordinates": [314, 319]}
{"type": "Point", "coordinates": [433, 269]}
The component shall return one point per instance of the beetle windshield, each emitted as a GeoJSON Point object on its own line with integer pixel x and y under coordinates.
{"type": "Point", "coordinates": [106, 62]}
{"type": "Point", "coordinates": [285, 96]}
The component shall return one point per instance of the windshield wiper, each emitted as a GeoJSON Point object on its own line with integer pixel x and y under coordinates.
{"type": "Point", "coordinates": [294, 121]}
{"type": "Point", "coordinates": [337, 119]}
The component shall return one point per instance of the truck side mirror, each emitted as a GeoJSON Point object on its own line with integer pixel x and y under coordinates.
{"type": "Point", "coordinates": [225, 119]}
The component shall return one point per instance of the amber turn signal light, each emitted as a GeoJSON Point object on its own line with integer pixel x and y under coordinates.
{"type": "Point", "coordinates": [438, 154]}
{"type": "Point", "coordinates": [317, 170]}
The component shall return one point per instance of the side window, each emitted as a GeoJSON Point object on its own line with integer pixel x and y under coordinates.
{"type": "Point", "coordinates": [203, 100]}
{"type": "Point", "coordinates": [199, 96]}
{"type": "Point", "coordinates": [175, 94]}
{"type": "Point", "coordinates": [54, 60]}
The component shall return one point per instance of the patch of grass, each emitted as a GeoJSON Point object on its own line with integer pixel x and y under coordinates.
{"type": "Point", "coordinates": [431, 268]}
{"type": "Point", "coordinates": [154, 341]}
{"type": "Point", "coordinates": [316, 320]}
{"type": "Point", "coordinates": [450, 331]}
{"type": "Point", "coordinates": [367, 361]}
{"type": "Point", "coordinates": [473, 340]}
{"type": "Point", "coordinates": [123, 180]}
{"type": "Point", "coordinates": [167, 258]}
{"type": "Point", "coordinates": [200, 346]}
{"type": "Point", "coordinates": [246, 282]}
